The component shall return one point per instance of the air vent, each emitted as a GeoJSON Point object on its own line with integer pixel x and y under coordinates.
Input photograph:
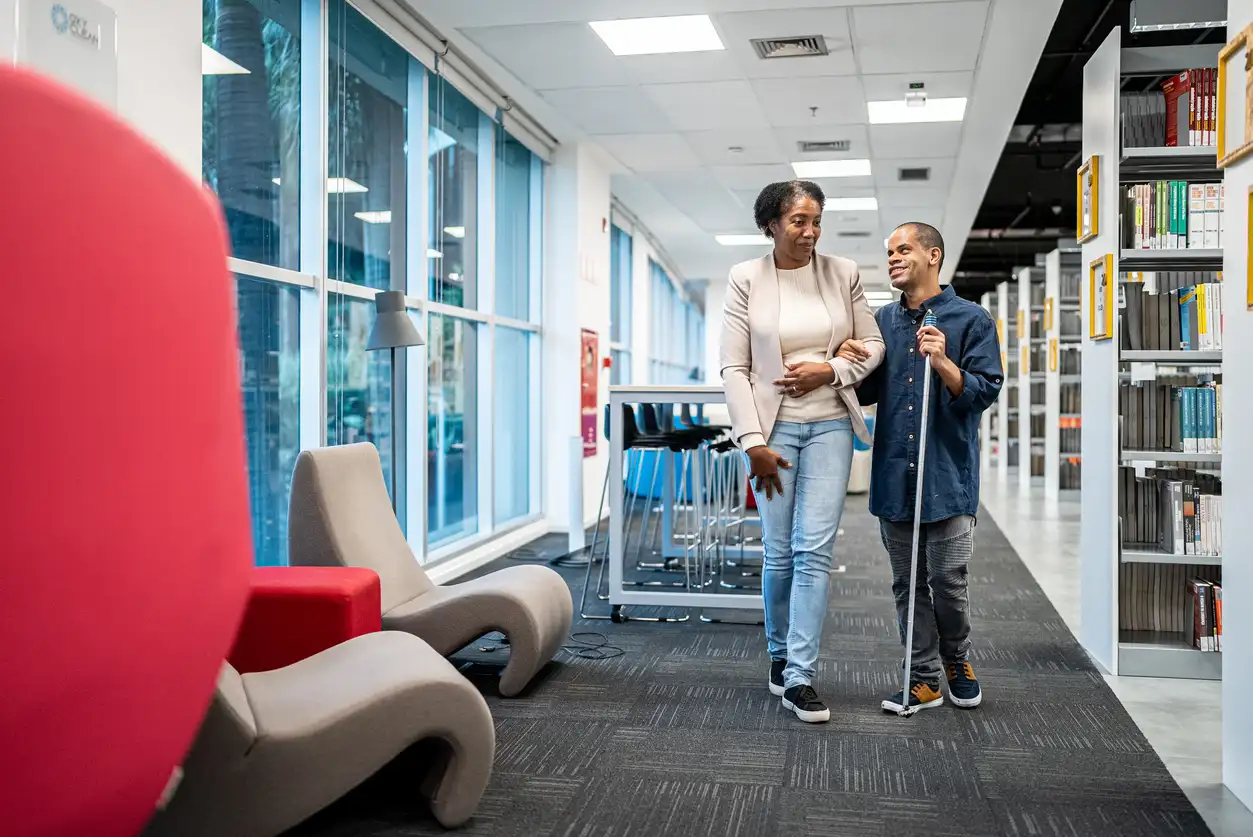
{"type": "Point", "coordinates": [823, 146]}
{"type": "Point", "coordinates": [853, 234]}
{"type": "Point", "coordinates": [915, 174]}
{"type": "Point", "coordinates": [799, 47]}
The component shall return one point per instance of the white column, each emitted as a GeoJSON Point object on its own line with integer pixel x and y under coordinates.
{"type": "Point", "coordinates": [715, 297]}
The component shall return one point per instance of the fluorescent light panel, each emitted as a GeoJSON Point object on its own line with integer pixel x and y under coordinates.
{"type": "Point", "coordinates": [336, 186]}
{"type": "Point", "coordinates": [851, 205]}
{"type": "Point", "coordinates": [382, 216]}
{"type": "Point", "coordinates": [816, 169]}
{"type": "Point", "coordinates": [658, 35]}
{"type": "Point", "coordinates": [898, 111]}
{"type": "Point", "coordinates": [742, 240]}
{"type": "Point", "coordinates": [214, 63]}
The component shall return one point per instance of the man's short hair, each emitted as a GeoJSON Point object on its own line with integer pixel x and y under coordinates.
{"type": "Point", "coordinates": [928, 237]}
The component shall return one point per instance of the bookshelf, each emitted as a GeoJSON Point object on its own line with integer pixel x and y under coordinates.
{"type": "Point", "coordinates": [1031, 352]}
{"type": "Point", "coordinates": [1063, 378]}
{"type": "Point", "coordinates": [989, 423]}
{"type": "Point", "coordinates": [1006, 418]}
{"type": "Point", "coordinates": [1152, 529]}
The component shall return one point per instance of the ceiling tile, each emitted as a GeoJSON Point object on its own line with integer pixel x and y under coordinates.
{"type": "Point", "coordinates": [887, 171]}
{"type": "Point", "coordinates": [858, 138]}
{"type": "Point", "coordinates": [757, 146]}
{"type": "Point", "coordinates": [748, 178]}
{"type": "Point", "coordinates": [740, 28]}
{"type": "Point", "coordinates": [930, 139]}
{"type": "Point", "coordinates": [608, 110]}
{"type": "Point", "coordinates": [709, 105]}
{"type": "Point", "coordinates": [565, 46]}
{"type": "Point", "coordinates": [893, 217]}
{"type": "Point", "coordinates": [886, 42]}
{"type": "Point", "coordinates": [938, 85]}
{"type": "Point", "coordinates": [650, 152]}
{"type": "Point", "coordinates": [911, 196]}
{"type": "Point", "coordinates": [788, 101]}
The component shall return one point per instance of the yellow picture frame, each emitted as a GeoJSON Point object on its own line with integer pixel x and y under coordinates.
{"type": "Point", "coordinates": [1052, 354]}
{"type": "Point", "coordinates": [1048, 314]}
{"type": "Point", "coordinates": [1228, 151]}
{"type": "Point", "coordinates": [1024, 362]}
{"type": "Point", "coordinates": [1101, 280]}
{"type": "Point", "coordinates": [1088, 199]}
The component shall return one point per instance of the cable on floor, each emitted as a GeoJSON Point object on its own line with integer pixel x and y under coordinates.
{"type": "Point", "coordinates": [597, 649]}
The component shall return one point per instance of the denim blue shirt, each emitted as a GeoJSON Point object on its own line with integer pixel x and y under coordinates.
{"type": "Point", "coordinates": [951, 478]}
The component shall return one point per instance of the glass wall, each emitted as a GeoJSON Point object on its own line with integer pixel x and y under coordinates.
{"type": "Point", "coordinates": [676, 333]}
{"type": "Point", "coordinates": [620, 305]}
{"type": "Point", "coordinates": [408, 172]}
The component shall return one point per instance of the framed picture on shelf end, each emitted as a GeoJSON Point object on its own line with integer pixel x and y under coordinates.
{"type": "Point", "coordinates": [1087, 196]}
{"type": "Point", "coordinates": [1052, 360]}
{"type": "Point", "coordinates": [1234, 127]}
{"type": "Point", "coordinates": [1101, 298]}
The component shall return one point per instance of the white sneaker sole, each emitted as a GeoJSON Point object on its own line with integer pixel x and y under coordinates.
{"type": "Point", "coordinates": [777, 691]}
{"type": "Point", "coordinates": [819, 717]}
{"type": "Point", "coordinates": [968, 703]}
{"type": "Point", "coordinates": [893, 706]}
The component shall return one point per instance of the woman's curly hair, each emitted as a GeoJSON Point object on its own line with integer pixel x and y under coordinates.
{"type": "Point", "coordinates": [774, 200]}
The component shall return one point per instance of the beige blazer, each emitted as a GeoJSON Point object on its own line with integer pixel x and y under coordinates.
{"type": "Point", "coordinates": [751, 355]}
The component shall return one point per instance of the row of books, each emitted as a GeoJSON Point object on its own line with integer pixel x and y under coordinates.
{"type": "Point", "coordinates": [1156, 597]}
{"type": "Point", "coordinates": [1070, 474]}
{"type": "Point", "coordinates": [1068, 364]}
{"type": "Point", "coordinates": [1191, 100]}
{"type": "Point", "coordinates": [1177, 512]}
{"type": "Point", "coordinates": [1070, 287]}
{"type": "Point", "coordinates": [1070, 434]}
{"type": "Point", "coordinates": [1161, 281]}
{"type": "Point", "coordinates": [1172, 215]}
{"type": "Point", "coordinates": [1143, 119]}
{"type": "Point", "coordinates": [1163, 415]}
{"type": "Point", "coordinates": [1071, 395]}
{"type": "Point", "coordinates": [1187, 319]}
{"type": "Point", "coordinates": [1207, 615]}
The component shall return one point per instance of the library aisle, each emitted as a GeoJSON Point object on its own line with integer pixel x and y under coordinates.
{"type": "Point", "coordinates": [1180, 718]}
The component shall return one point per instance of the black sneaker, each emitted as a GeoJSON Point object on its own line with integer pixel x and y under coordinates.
{"type": "Point", "coordinates": [963, 688]}
{"type": "Point", "coordinates": [776, 677]}
{"type": "Point", "coordinates": [921, 695]}
{"type": "Point", "coordinates": [803, 700]}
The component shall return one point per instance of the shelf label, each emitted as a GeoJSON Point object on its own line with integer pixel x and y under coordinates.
{"type": "Point", "coordinates": [1142, 372]}
{"type": "Point", "coordinates": [1143, 466]}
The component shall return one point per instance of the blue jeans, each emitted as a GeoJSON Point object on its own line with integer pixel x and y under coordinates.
{"type": "Point", "coordinates": [798, 533]}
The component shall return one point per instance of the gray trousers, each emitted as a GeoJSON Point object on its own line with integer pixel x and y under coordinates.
{"type": "Point", "coordinates": [941, 603]}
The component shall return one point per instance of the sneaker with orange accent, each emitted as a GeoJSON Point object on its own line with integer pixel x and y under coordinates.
{"type": "Point", "coordinates": [963, 688]}
{"type": "Point", "coordinates": [921, 695]}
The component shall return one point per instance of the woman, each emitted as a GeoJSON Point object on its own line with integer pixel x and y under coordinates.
{"type": "Point", "coordinates": [794, 412]}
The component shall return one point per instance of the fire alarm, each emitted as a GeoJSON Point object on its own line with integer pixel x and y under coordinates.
{"type": "Point", "coordinates": [607, 362]}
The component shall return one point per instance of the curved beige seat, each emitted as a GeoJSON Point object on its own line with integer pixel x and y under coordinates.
{"type": "Point", "coordinates": [341, 515]}
{"type": "Point", "coordinates": [278, 746]}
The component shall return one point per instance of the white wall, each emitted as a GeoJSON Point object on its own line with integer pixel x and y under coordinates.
{"type": "Point", "coordinates": [715, 298]}
{"type": "Point", "coordinates": [1237, 452]}
{"type": "Point", "coordinates": [576, 296]}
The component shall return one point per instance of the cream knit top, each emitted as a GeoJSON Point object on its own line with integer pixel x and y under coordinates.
{"type": "Point", "coordinates": [805, 335]}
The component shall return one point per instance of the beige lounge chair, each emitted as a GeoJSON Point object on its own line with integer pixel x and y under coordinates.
{"type": "Point", "coordinates": [278, 746]}
{"type": "Point", "coordinates": [341, 515]}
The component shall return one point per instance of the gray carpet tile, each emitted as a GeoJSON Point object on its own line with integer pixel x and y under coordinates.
{"type": "Point", "coordinates": [679, 735]}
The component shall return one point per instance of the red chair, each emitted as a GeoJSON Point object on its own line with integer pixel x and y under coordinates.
{"type": "Point", "coordinates": [124, 502]}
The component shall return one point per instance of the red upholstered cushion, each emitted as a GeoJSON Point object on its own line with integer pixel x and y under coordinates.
{"type": "Point", "coordinates": [295, 612]}
{"type": "Point", "coordinates": [123, 507]}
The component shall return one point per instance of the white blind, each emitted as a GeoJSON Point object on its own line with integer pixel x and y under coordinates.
{"type": "Point", "coordinates": [427, 45]}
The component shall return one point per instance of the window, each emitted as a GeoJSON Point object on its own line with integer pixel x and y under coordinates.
{"type": "Point", "coordinates": [677, 332]}
{"type": "Point", "coordinates": [251, 126]}
{"type": "Point", "coordinates": [369, 89]}
{"type": "Point", "coordinates": [358, 383]}
{"type": "Point", "coordinates": [620, 306]}
{"type": "Point", "coordinates": [453, 149]}
{"type": "Point", "coordinates": [514, 164]}
{"type": "Point", "coordinates": [269, 348]}
{"type": "Point", "coordinates": [511, 424]}
{"type": "Point", "coordinates": [452, 436]}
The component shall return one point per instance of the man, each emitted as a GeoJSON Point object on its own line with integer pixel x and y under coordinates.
{"type": "Point", "coordinates": [966, 362]}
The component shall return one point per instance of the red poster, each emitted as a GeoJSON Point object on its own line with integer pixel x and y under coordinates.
{"type": "Point", "coordinates": [591, 390]}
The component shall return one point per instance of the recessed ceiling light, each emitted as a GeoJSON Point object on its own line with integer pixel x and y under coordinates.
{"type": "Point", "coordinates": [382, 216]}
{"type": "Point", "coordinates": [897, 111]}
{"type": "Point", "coordinates": [831, 168]}
{"type": "Point", "coordinates": [455, 232]}
{"type": "Point", "coordinates": [657, 35]}
{"type": "Point", "coordinates": [742, 240]}
{"type": "Point", "coordinates": [214, 63]}
{"type": "Point", "coordinates": [851, 205]}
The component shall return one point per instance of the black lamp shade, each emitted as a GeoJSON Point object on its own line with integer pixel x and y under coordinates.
{"type": "Point", "coordinates": [393, 327]}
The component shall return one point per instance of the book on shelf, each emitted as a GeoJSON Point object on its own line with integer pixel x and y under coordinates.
{"type": "Point", "coordinates": [1166, 415]}
{"type": "Point", "coordinates": [1069, 433]}
{"type": "Point", "coordinates": [1190, 100]}
{"type": "Point", "coordinates": [1069, 475]}
{"type": "Point", "coordinates": [1179, 319]}
{"type": "Point", "coordinates": [1172, 215]}
{"type": "Point", "coordinates": [1207, 610]}
{"type": "Point", "coordinates": [1070, 287]}
{"type": "Point", "coordinates": [1068, 363]}
{"type": "Point", "coordinates": [1158, 597]}
{"type": "Point", "coordinates": [1143, 119]}
{"type": "Point", "coordinates": [1175, 511]}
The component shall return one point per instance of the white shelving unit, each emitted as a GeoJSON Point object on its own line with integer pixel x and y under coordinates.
{"type": "Point", "coordinates": [1062, 353]}
{"type": "Point", "coordinates": [988, 428]}
{"type": "Point", "coordinates": [1104, 366]}
{"type": "Point", "coordinates": [1007, 405]}
{"type": "Point", "coordinates": [1031, 375]}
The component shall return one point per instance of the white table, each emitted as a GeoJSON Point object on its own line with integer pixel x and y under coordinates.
{"type": "Point", "coordinates": [657, 596]}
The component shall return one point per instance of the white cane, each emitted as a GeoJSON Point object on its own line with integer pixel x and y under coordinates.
{"type": "Point", "coordinates": [908, 708]}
